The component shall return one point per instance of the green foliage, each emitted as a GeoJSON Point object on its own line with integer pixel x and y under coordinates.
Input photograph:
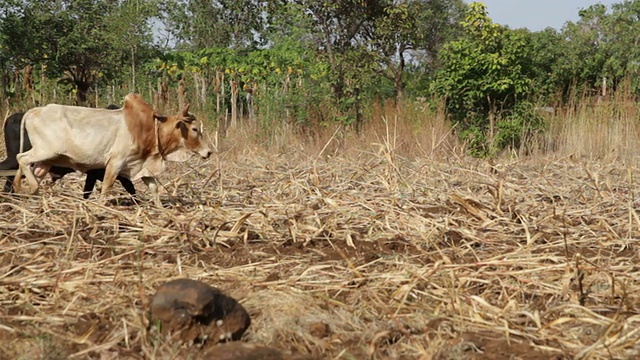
{"type": "Point", "coordinates": [418, 28]}
{"type": "Point", "coordinates": [619, 29]}
{"type": "Point", "coordinates": [205, 24]}
{"type": "Point", "coordinates": [320, 62]}
{"type": "Point", "coordinates": [476, 140]}
{"type": "Point", "coordinates": [484, 75]}
{"type": "Point", "coordinates": [78, 41]}
{"type": "Point", "coordinates": [600, 45]}
{"type": "Point", "coordinates": [518, 126]}
{"type": "Point", "coordinates": [549, 69]}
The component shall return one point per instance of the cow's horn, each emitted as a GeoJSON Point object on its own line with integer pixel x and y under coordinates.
{"type": "Point", "coordinates": [185, 110]}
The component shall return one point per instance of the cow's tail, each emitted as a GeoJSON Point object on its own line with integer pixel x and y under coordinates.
{"type": "Point", "coordinates": [22, 132]}
{"type": "Point", "coordinates": [4, 122]}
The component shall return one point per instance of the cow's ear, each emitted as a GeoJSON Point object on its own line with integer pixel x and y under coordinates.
{"type": "Point", "coordinates": [159, 117]}
{"type": "Point", "coordinates": [185, 110]}
{"type": "Point", "coordinates": [184, 130]}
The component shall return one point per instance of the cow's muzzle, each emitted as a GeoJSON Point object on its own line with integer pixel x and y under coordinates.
{"type": "Point", "coordinates": [205, 153]}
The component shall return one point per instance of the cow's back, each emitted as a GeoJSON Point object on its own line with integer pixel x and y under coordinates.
{"type": "Point", "coordinates": [77, 137]}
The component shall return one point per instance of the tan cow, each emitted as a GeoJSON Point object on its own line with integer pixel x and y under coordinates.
{"type": "Point", "coordinates": [132, 141]}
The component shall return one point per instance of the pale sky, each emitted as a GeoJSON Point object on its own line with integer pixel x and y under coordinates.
{"type": "Point", "coordinates": [538, 14]}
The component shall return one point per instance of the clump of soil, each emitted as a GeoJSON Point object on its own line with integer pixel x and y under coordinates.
{"type": "Point", "coordinates": [245, 351]}
{"type": "Point", "coordinates": [193, 311]}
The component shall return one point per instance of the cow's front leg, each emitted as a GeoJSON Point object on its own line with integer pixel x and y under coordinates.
{"type": "Point", "coordinates": [153, 189]}
{"type": "Point", "coordinates": [90, 182]}
{"type": "Point", "coordinates": [110, 174]}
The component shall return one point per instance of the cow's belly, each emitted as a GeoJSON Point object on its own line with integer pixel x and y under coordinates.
{"type": "Point", "coordinates": [92, 153]}
{"type": "Point", "coordinates": [82, 165]}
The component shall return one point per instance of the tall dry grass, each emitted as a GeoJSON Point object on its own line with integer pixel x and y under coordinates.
{"type": "Point", "coordinates": [423, 259]}
{"type": "Point", "coordinates": [586, 127]}
{"type": "Point", "coordinates": [590, 127]}
{"type": "Point", "coordinates": [596, 127]}
{"type": "Point", "coordinates": [412, 128]}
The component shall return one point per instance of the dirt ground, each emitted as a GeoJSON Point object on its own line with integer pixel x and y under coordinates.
{"type": "Point", "coordinates": [365, 256]}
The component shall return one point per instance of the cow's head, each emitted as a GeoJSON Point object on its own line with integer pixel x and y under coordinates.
{"type": "Point", "coordinates": [182, 131]}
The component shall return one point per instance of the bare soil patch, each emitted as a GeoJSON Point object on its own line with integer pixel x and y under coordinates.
{"type": "Point", "coordinates": [373, 258]}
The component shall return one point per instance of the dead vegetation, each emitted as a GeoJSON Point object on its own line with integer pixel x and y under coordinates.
{"type": "Point", "coordinates": [361, 256]}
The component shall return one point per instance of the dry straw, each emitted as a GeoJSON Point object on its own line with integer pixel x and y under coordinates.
{"type": "Point", "coordinates": [390, 257]}
{"type": "Point", "coordinates": [396, 258]}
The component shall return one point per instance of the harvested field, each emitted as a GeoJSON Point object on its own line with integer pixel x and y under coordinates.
{"type": "Point", "coordinates": [368, 256]}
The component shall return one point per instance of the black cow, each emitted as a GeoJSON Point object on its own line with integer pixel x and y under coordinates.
{"type": "Point", "coordinates": [12, 142]}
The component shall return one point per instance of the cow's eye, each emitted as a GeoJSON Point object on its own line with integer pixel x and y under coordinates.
{"type": "Point", "coordinates": [195, 130]}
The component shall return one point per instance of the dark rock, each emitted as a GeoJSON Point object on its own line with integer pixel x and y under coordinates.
{"type": "Point", "coordinates": [194, 311]}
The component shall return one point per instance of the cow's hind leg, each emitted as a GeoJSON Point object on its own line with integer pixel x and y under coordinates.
{"type": "Point", "coordinates": [9, 163]}
{"type": "Point", "coordinates": [17, 180]}
{"type": "Point", "coordinates": [8, 185]}
{"type": "Point", "coordinates": [25, 160]}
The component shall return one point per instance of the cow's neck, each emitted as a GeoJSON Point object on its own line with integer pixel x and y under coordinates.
{"type": "Point", "coordinates": [165, 144]}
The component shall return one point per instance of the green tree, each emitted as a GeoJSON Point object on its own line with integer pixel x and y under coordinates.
{"type": "Point", "coordinates": [609, 43]}
{"type": "Point", "coordinates": [337, 33]}
{"type": "Point", "coordinates": [78, 41]}
{"type": "Point", "coordinates": [415, 28]}
{"type": "Point", "coordinates": [547, 46]}
{"type": "Point", "coordinates": [485, 78]}
{"type": "Point", "coordinates": [585, 57]}
{"type": "Point", "coordinates": [205, 24]}
{"type": "Point", "coordinates": [624, 44]}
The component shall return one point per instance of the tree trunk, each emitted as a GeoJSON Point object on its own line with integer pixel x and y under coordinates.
{"type": "Point", "coordinates": [287, 108]}
{"type": "Point", "coordinates": [399, 84]}
{"type": "Point", "coordinates": [233, 82]}
{"type": "Point", "coordinates": [182, 94]}
{"type": "Point", "coordinates": [492, 121]}
{"type": "Point", "coordinates": [399, 74]}
{"type": "Point", "coordinates": [43, 81]}
{"type": "Point", "coordinates": [17, 85]}
{"type": "Point", "coordinates": [359, 120]}
{"type": "Point", "coordinates": [28, 81]}
{"type": "Point", "coordinates": [196, 84]}
{"type": "Point", "coordinates": [82, 90]}
{"type": "Point", "coordinates": [218, 87]}
{"type": "Point", "coordinates": [251, 107]}
{"type": "Point", "coordinates": [204, 88]}
{"type": "Point", "coordinates": [164, 90]}
{"type": "Point", "coordinates": [133, 68]}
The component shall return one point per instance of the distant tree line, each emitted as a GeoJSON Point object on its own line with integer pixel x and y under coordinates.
{"type": "Point", "coordinates": [322, 61]}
